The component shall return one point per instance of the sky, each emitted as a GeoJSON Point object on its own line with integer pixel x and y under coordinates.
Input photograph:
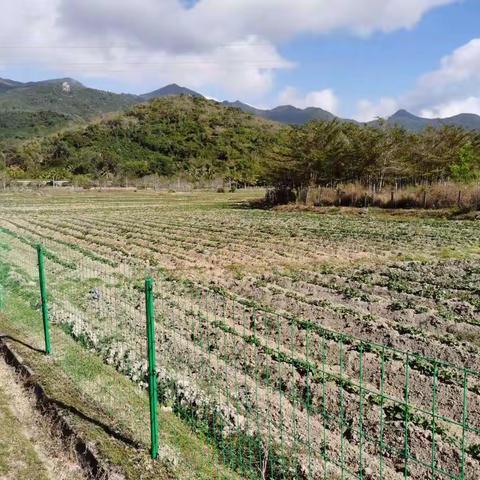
{"type": "Point", "coordinates": [356, 58]}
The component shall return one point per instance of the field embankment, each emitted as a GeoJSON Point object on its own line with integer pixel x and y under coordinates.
{"type": "Point", "coordinates": [28, 448]}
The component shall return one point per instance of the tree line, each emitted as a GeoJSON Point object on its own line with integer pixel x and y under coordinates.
{"type": "Point", "coordinates": [330, 153]}
{"type": "Point", "coordinates": [200, 139]}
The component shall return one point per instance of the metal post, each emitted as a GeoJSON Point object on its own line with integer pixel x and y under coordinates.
{"type": "Point", "coordinates": [152, 371]}
{"type": "Point", "coordinates": [43, 298]}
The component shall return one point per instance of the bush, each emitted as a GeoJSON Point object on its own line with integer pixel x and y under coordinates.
{"type": "Point", "coordinates": [280, 196]}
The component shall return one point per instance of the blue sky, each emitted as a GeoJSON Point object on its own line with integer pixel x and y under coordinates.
{"type": "Point", "coordinates": [383, 64]}
{"type": "Point", "coordinates": [357, 58]}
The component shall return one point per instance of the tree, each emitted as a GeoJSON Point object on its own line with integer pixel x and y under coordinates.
{"type": "Point", "coordinates": [3, 170]}
{"type": "Point", "coordinates": [467, 167]}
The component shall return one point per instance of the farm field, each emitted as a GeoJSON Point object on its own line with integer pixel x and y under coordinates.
{"type": "Point", "coordinates": [341, 344]}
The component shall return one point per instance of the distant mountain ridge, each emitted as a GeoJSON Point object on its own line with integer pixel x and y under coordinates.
{"type": "Point", "coordinates": [407, 120]}
{"type": "Point", "coordinates": [170, 90]}
{"type": "Point", "coordinates": [295, 116]}
{"type": "Point", "coordinates": [67, 96]}
{"type": "Point", "coordinates": [6, 84]}
{"type": "Point", "coordinates": [285, 113]}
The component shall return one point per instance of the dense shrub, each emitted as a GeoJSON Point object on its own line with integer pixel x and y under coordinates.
{"type": "Point", "coordinates": [194, 137]}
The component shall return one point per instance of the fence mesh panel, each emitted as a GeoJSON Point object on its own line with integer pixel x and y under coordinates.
{"type": "Point", "coordinates": [280, 396]}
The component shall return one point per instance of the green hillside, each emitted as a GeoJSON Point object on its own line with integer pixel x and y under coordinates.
{"type": "Point", "coordinates": [39, 108]}
{"type": "Point", "coordinates": [77, 102]}
{"type": "Point", "coordinates": [193, 136]}
{"type": "Point", "coordinates": [18, 125]}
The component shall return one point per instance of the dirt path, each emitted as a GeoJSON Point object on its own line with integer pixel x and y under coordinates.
{"type": "Point", "coordinates": [28, 449]}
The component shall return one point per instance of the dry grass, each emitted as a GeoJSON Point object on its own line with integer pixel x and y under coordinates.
{"type": "Point", "coordinates": [435, 196]}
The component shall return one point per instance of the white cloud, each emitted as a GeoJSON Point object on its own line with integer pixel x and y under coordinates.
{"type": "Point", "coordinates": [454, 107]}
{"type": "Point", "coordinates": [457, 78]}
{"type": "Point", "coordinates": [243, 70]}
{"type": "Point", "coordinates": [461, 65]}
{"type": "Point", "coordinates": [451, 89]}
{"type": "Point", "coordinates": [368, 110]}
{"type": "Point", "coordinates": [325, 99]}
{"type": "Point", "coordinates": [211, 22]}
{"type": "Point", "coordinates": [231, 44]}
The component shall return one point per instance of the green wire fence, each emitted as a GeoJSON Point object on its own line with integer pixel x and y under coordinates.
{"type": "Point", "coordinates": [280, 396]}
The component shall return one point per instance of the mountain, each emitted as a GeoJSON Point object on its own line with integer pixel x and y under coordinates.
{"type": "Point", "coordinates": [411, 122]}
{"type": "Point", "coordinates": [39, 108]}
{"type": "Point", "coordinates": [167, 136]}
{"type": "Point", "coordinates": [6, 84]}
{"type": "Point", "coordinates": [296, 116]}
{"type": "Point", "coordinates": [55, 81]}
{"type": "Point", "coordinates": [170, 90]}
{"type": "Point", "coordinates": [405, 119]}
{"type": "Point", "coordinates": [470, 121]}
{"type": "Point", "coordinates": [285, 113]}
{"type": "Point", "coordinates": [63, 96]}
{"type": "Point", "coordinates": [244, 107]}
{"type": "Point", "coordinates": [63, 100]}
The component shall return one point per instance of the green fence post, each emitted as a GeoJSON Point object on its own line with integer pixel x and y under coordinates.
{"type": "Point", "coordinates": [43, 297]}
{"type": "Point", "coordinates": [152, 371]}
